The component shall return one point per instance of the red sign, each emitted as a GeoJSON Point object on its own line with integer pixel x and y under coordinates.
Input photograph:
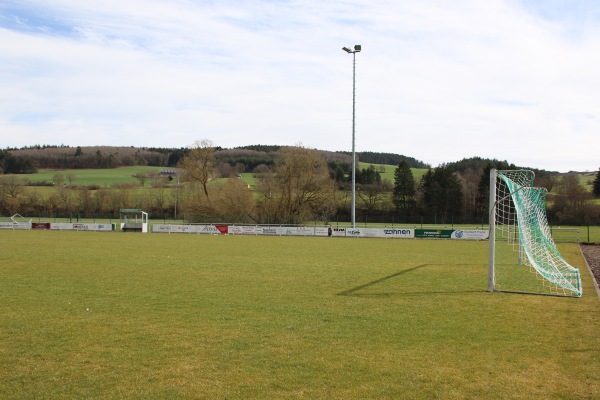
{"type": "Point", "coordinates": [223, 229]}
{"type": "Point", "coordinates": [40, 225]}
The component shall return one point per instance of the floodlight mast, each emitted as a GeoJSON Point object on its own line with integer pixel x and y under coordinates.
{"type": "Point", "coordinates": [357, 49]}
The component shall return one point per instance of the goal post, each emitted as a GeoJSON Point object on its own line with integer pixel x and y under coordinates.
{"type": "Point", "coordinates": [523, 257]}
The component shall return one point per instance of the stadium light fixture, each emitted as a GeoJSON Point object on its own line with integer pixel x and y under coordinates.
{"type": "Point", "coordinates": [357, 49]}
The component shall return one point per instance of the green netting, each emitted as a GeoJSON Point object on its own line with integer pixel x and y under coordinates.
{"type": "Point", "coordinates": [526, 258]}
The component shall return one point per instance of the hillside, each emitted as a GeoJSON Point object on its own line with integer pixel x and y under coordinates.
{"type": "Point", "coordinates": [246, 158]}
{"type": "Point", "coordinates": [30, 159]}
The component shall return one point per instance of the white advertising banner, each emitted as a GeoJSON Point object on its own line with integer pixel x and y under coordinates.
{"type": "Point", "coordinates": [398, 233]}
{"type": "Point", "coordinates": [210, 229]}
{"type": "Point", "coordinates": [161, 228]}
{"type": "Point", "coordinates": [299, 231]}
{"type": "Point", "coordinates": [353, 232]}
{"type": "Point", "coordinates": [62, 226]}
{"type": "Point", "coordinates": [207, 229]}
{"type": "Point", "coordinates": [15, 225]}
{"type": "Point", "coordinates": [364, 232]}
{"type": "Point", "coordinates": [322, 231]}
{"type": "Point", "coordinates": [270, 230]}
{"type": "Point", "coordinates": [242, 230]}
{"type": "Point", "coordinates": [338, 232]}
{"type": "Point", "coordinates": [471, 234]}
{"type": "Point", "coordinates": [379, 233]}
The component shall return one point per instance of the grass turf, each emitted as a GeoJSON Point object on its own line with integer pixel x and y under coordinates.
{"type": "Point", "coordinates": [113, 315]}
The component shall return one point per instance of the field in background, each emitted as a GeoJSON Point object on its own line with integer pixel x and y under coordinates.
{"type": "Point", "coordinates": [107, 177]}
{"type": "Point", "coordinates": [102, 316]}
{"type": "Point", "coordinates": [103, 177]}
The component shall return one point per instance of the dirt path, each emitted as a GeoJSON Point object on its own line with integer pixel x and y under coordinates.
{"type": "Point", "coordinates": [592, 255]}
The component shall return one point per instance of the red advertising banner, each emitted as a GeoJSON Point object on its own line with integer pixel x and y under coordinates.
{"type": "Point", "coordinates": [222, 228]}
{"type": "Point", "coordinates": [40, 225]}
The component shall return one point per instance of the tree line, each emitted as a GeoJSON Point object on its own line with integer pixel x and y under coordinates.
{"type": "Point", "coordinates": [32, 158]}
{"type": "Point", "coordinates": [294, 186]}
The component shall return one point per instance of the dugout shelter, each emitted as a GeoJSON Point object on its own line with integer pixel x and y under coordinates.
{"type": "Point", "coordinates": [133, 220]}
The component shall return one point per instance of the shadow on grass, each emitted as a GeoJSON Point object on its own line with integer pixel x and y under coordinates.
{"type": "Point", "coordinates": [353, 291]}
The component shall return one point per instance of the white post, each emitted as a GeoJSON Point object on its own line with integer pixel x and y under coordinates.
{"type": "Point", "coordinates": [353, 211]}
{"type": "Point", "coordinates": [492, 234]}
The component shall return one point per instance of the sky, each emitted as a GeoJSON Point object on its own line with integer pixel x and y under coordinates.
{"type": "Point", "coordinates": [437, 80]}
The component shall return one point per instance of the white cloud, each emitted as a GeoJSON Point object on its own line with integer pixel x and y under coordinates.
{"type": "Point", "coordinates": [436, 80]}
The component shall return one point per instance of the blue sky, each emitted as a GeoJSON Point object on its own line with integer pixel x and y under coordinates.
{"type": "Point", "coordinates": [436, 80]}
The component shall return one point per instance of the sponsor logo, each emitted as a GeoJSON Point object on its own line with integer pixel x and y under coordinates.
{"type": "Point", "coordinates": [396, 231]}
{"type": "Point", "coordinates": [458, 234]}
{"type": "Point", "coordinates": [352, 232]}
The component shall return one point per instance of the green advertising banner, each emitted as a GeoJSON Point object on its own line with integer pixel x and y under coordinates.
{"type": "Point", "coordinates": [434, 233]}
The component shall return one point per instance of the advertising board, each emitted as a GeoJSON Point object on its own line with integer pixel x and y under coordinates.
{"type": "Point", "coordinates": [15, 225]}
{"type": "Point", "coordinates": [242, 230]}
{"type": "Point", "coordinates": [471, 234]}
{"type": "Point", "coordinates": [434, 233]}
{"type": "Point", "coordinates": [398, 233]}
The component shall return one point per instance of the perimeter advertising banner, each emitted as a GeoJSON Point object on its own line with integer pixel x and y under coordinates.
{"type": "Point", "coordinates": [398, 233]}
{"type": "Point", "coordinates": [270, 230]}
{"type": "Point", "coordinates": [15, 225]}
{"type": "Point", "coordinates": [40, 225]}
{"type": "Point", "coordinates": [338, 232]}
{"type": "Point", "coordinates": [197, 229]}
{"type": "Point", "coordinates": [434, 233]}
{"type": "Point", "coordinates": [80, 227]}
{"type": "Point", "coordinates": [471, 234]}
{"type": "Point", "coordinates": [380, 233]}
{"type": "Point", "coordinates": [242, 230]}
{"type": "Point", "coordinates": [323, 231]}
{"type": "Point", "coordinates": [451, 234]}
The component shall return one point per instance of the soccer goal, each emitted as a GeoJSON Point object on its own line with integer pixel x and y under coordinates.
{"type": "Point", "coordinates": [522, 255]}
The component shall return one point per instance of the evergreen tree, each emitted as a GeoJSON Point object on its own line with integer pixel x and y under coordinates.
{"type": "Point", "coordinates": [442, 193]}
{"type": "Point", "coordinates": [368, 176]}
{"type": "Point", "coordinates": [404, 189]}
{"type": "Point", "coordinates": [596, 189]}
{"type": "Point", "coordinates": [483, 192]}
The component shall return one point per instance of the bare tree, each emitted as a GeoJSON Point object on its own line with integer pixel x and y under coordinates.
{"type": "Point", "coordinates": [369, 196]}
{"type": "Point", "coordinates": [198, 166]}
{"type": "Point", "coordinates": [10, 193]}
{"type": "Point", "coordinates": [300, 188]}
{"type": "Point", "coordinates": [71, 178]}
{"type": "Point", "coordinates": [141, 178]}
{"type": "Point", "coordinates": [63, 196]}
{"type": "Point", "coordinates": [58, 179]}
{"type": "Point", "coordinates": [235, 201]}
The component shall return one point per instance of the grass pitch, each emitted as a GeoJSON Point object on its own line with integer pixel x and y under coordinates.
{"type": "Point", "coordinates": [114, 315]}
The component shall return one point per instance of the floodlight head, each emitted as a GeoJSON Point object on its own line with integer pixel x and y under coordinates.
{"type": "Point", "coordinates": [357, 48]}
{"type": "Point", "coordinates": [347, 50]}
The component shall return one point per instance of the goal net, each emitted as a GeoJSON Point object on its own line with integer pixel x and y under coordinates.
{"type": "Point", "coordinates": [522, 255]}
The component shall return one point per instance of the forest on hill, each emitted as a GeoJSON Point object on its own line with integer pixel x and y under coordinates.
{"type": "Point", "coordinates": [30, 159]}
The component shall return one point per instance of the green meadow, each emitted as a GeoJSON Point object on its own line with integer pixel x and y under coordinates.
{"type": "Point", "coordinates": [107, 177]}
{"type": "Point", "coordinates": [103, 177]}
{"type": "Point", "coordinates": [113, 315]}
